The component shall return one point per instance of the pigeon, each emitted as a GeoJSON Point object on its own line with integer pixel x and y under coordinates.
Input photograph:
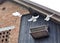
{"type": "Point", "coordinates": [34, 18]}
{"type": "Point", "coordinates": [7, 28]}
{"type": "Point", "coordinates": [48, 17]}
{"type": "Point", "coordinates": [16, 14]}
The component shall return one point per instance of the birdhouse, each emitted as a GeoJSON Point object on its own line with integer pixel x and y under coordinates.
{"type": "Point", "coordinates": [40, 31]}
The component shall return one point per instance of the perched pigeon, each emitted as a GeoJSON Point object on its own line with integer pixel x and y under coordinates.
{"type": "Point", "coordinates": [16, 14]}
{"type": "Point", "coordinates": [34, 18]}
{"type": "Point", "coordinates": [7, 28]}
{"type": "Point", "coordinates": [48, 17]}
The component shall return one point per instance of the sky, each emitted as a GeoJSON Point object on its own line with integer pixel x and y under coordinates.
{"type": "Point", "coordinates": [52, 4]}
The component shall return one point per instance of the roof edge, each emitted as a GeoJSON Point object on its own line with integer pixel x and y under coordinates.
{"type": "Point", "coordinates": [41, 9]}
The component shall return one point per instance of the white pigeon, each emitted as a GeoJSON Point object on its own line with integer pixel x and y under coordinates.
{"type": "Point", "coordinates": [7, 28]}
{"type": "Point", "coordinates": [16, 14]}
{"type": "Point", "coordinates": [34, 18]}
{"type": "Point", "coordinates": [48, 17]}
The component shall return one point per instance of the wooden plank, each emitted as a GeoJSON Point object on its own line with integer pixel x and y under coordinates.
{"type": "Point", "coordinates": [25, 37]}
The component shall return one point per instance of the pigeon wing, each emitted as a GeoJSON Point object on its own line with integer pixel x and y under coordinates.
{"type": "Point", "coordinates": [31, 19]}
{"type": "Point", "coordinates": [47, 19]}
{"type": "Point", "coordinates": [37, 16]}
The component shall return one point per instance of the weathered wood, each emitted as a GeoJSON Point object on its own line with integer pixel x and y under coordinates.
{"type": "Point", "coordinates": [39, 31]}
{"type": "Point", "coordinates": [25, 37]}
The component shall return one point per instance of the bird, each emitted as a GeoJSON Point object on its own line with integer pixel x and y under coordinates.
{"type": "Point", "coordinates": [34, 18]}
{"type": "Point", "coordinates": [48, 17]}
{"type": "Point", "coordinates": [16, 14]}
{"type": "Point", "coordinates": [7, 28]}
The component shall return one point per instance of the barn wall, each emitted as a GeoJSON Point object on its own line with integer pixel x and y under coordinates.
{"type": "Point", "coordinates": [25, 37]}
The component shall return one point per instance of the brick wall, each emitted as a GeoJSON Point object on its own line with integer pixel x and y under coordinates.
{"type": "Point", "coordinates": [6, 18]}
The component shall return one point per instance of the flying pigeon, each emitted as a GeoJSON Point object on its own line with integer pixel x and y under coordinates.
{"type": "Point", "coordinates": [48, 17]}
{"type": "Point", "coordinates": [16, 14]}
{"type": "Point", "coordinates": [34, 18]}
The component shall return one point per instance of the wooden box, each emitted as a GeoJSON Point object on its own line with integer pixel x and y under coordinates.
{"type": "Point", "coordinates": [38, 32]}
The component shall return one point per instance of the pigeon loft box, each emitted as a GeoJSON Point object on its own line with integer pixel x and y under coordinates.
{"type": "Point", "coordinates": [38, 32]}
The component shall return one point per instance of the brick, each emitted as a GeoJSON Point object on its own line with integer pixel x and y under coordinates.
{"type": "Point", "coordinates": [7, 19]}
